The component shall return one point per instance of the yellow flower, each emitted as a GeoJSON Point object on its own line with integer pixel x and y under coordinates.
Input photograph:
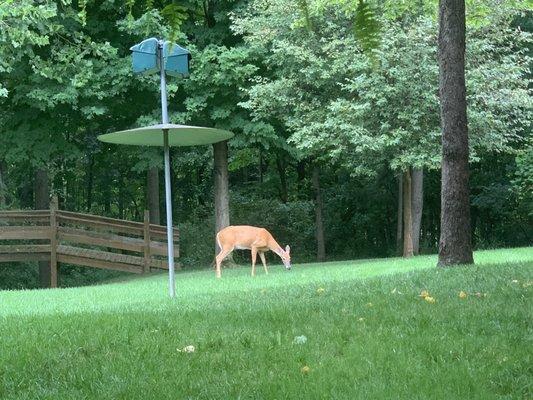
{"type": "Point", "coordinates": [305, 369]}
{"type": "Point", "coordinates": [462, 294]}
{"type": "Point", "coordinates": [429, 299]}
{"type": "Point", "coordinates": [424, 294]}
{"type": "Point", "coordinates": [320, 290]}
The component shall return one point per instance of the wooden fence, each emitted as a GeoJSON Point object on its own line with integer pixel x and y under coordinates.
{"type": "Point", "coordinates": [83, 239]}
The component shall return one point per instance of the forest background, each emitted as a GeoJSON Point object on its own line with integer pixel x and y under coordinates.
{"type": "Point", "coordinates": [334, 106]}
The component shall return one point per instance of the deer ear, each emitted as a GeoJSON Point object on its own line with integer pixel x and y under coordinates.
{"type": "Point", "coordinates": [288, 249]}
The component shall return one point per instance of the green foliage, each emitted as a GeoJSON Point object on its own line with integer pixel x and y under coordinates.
{"type": "Point", "coordinates": [290, 223]}
{"type": "Point", "coordinates": [197, 247]}
{"type": "Point", "coordinates": [24, 27]}
{"type": "Point", "coordinates": [523, 181]}
{"type": "Point", "coordinates": [113, 341]}
{"type": "Point", "coordinates": [174, 15]}
{"type": "Point", "coordinates": [345, 110]}
{"type": "Point", "coordinates": [19, 276]}
{"type": "Point", "coordinates": [366, 26]}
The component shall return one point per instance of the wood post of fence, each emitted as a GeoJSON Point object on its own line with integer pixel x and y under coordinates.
{"type": "Point", "coordinates": [53, 241]}
{"type": "Point", "coordinates": [146, 250]}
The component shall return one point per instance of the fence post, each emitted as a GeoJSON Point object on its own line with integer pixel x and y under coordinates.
{"type": "Point", "coordinates": [147, 257]}
{"type": "Point", "coordinates": [53, 241]}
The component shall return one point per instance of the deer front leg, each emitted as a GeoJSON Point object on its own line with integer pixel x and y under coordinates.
{"type": "Point", "coordinates": [254, 258]}
{"type": "Point", "coordinates": [263, 260]}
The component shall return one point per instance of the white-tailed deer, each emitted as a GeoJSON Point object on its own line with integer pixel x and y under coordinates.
{"type": "Point", "coordinates": [258, 240]}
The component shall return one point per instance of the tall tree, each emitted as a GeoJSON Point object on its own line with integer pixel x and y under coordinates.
{"type": "Point", "coordinates": [42, 202]}
{"type": "Point", "coordinates": [3, 187]}
{"type": "Point", "coordinates": [455, 245]}
{"type": "Point", "coordinates": [417, 204]}
{"type": "Point", "coordinates": [152, 195]}
{"type": "Point", "coordinates": [399, 216]}
{"type": "Point", "coordinates": [319, 219]}
{"type": "Point", "coordinates": [407, 215]}
{"type": "Point", "coordinates": [221, 188]}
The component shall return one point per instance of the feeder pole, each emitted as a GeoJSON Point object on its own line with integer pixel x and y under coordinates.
{"type": "Point", "coordinates": [168, 197]}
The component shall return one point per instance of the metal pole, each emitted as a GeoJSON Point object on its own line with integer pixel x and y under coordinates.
{"type": "Point", "coordinates": [168, 197]}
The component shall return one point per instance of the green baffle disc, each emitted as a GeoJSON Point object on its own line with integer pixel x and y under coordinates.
{"type": "Point", "coordinates": [178, 135]}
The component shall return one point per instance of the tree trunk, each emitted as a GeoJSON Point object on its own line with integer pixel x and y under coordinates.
{"type": "Point", "coordinates": [407, 218]}
{"type": "Point", "coordinates": [42, 202]}
{"type": "Point", "coordinates": [283, 190]}
{"type": "Point", "coordinates": [319, 222]}
{"type": "Point", "coordinates": [300, 170]}
{"type": "Point", "coordinates": [417, 203]}
{"type": "Point", "coordinates": [25, 191]}
{"type": "Point", "coordinates": [220, 151]}
{"type": "Point", "coordinates": [121, 196]}
{"type": "Point", "coordinates": [41, 192]}
{"type": "Point", "coordinates": [455, 246]}
{"type": "Point", "coordinates": [260, 165]}
{"type": "Point", "coordinates": [90, 180]}
{"type": "Point", "coordinates": [152, 195]}
{"type": "Point", "coordinates": [175, 194]}
{"type": "Point", "coordinates": [107, 193]}
{"type": "Point", "coordinates": [200, 198]}
{"type": "Point", "coordinates": [399, 223]}
{"type": "Point", "coordinates": [3, 188]}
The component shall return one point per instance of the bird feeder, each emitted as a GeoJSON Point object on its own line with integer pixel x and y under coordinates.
{"type": "Point", "coordinates": [176, 60]}
{"type": "Point", "coordinates": [145, 59]}
{"type": "Point", "coordinates": [150, 56]}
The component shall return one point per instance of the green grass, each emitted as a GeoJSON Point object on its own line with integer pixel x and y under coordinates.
{"type": "Point", "coordinates": [369, 334]}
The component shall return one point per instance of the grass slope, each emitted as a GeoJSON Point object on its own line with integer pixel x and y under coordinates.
{"type": "Point", "coordinates": [369, 334]}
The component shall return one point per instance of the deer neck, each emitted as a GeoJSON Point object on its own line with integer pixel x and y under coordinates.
{"type": "Point", "coordinates": [276, 248]}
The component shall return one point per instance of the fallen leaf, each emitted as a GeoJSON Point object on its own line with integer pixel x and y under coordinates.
{"type": "Point", "coordinates": [187, 349]}
{"type": "Point", "coordinates": [300, 339]}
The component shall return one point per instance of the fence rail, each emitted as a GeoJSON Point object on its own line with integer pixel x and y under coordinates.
{"type": "Point", "coordinates": [68, 237]}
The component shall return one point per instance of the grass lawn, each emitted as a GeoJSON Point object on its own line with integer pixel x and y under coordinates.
{"type": "Point", "coordinates": [369, 334]}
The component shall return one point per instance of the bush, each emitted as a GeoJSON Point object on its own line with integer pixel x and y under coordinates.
{"type": "Point", "coordinates": [19, 276]}
{"type": "Point", "coordinates": [291, 223]}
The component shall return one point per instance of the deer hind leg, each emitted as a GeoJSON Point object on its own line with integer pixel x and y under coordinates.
{"type": "Point", "coordinates": [219, 258]}
{"type": "Point", "coordinates": [263, 260]}
{"type": "Point", "coordinates": [254, 258]}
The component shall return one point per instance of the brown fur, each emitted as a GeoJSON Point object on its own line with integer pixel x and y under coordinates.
{"type": "Point", "coordinates": [257, 240]}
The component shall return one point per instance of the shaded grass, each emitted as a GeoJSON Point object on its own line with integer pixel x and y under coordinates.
{"type": "Point", "coordinates": [369, 334]}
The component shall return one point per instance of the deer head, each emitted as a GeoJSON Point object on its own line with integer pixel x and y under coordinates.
{"type": "Point", "coordinates": [286, 257]}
